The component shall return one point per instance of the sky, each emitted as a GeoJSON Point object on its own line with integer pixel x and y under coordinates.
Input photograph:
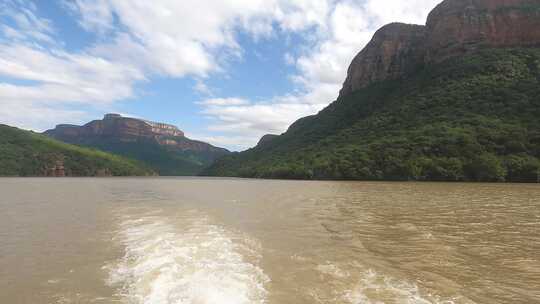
{"type": "Point", "coordinates": [223, 71]}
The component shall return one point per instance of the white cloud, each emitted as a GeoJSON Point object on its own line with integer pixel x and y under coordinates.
{"type": "Point", "coordinates": [42, 82]}
{"type": "Point", "coordinates": [36, 116]}
{"type": "Point", "coordinates": [178, 38]}
{"type": "Point", "coordinates": [244, 123]}
{"type": "Point", "coordinates": [98, 15]}
{"type": "Point", "coordinates": [29, 25]}
{"type": "Point", "coordinates": [224, 102]}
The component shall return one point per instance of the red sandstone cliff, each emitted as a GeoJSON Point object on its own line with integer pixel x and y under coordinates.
{"type": "Point", "coordinates": [125, 129]}
{"type": "Point", "coordinates": [394, 50]}
{"type": "Point", "coordinates": [453, 28]}
{"type": "Point", "coordinates": [458, 26]}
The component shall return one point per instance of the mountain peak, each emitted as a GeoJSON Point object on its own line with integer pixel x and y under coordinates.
{"type": "Point", "coordinates": [453, 28]}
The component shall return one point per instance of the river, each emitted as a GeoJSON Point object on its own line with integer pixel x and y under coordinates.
{"type": "Point", "coordinates": [234, 241]}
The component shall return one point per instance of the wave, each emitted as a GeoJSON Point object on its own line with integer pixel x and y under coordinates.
{"type": "Point", "coordinates": [372, 287]}
{"type": "Point", "coordinates": [185, 260]}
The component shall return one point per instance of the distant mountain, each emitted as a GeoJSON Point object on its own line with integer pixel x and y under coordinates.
{"type": "Point", "coordinates": [24, 153]}
{"type": "Point", "coordinates": [163, 147]}
{"type": "Point", "coordinates": [455, 100]}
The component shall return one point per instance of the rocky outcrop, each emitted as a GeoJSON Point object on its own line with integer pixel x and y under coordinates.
{"type": "Point", "coordinates": [453, 28]}
{"type": "Point", "coordinates": [114, 127]}
{"type": "Point", "coordinates": [57, 169]}
{"type": "Point", "coordinates": [395, 50]}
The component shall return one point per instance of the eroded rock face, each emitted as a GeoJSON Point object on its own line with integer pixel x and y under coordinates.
{"type": "Point", "coordinates": [114, 125]}
{"type": "Point", "coordinates": [125, 129]}
{"type": "Point", "coordinates": [453, 28]}
{"type": "Point", "coordinates": [394, 50]}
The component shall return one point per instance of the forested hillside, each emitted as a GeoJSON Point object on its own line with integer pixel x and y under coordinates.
{"type": "Point", "coordinates": [24, 153]}
{"type": "Point", "coordinates": [470, 118]}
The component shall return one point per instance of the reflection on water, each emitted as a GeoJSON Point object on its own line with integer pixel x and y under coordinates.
{"type": "Point", "coordinates": [246, 241]}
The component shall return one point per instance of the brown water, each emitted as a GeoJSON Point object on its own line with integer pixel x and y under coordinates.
{"type": "Point", "coordinates": [232, 241]}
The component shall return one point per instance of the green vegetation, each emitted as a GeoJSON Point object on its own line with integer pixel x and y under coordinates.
{"type": "Point", "coordinates": [473, 118]}
{"type": "Point", "coordinates": [24, 153]}
{"type": "Point", "coordinates": [167, 161]}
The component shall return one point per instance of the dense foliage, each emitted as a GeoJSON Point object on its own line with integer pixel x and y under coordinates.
{"type": "Point", "coordinates": [472, 118]}
{"type": "Point", "coordinates": [165, 160]}
{"type": "Point", "coordinates": [24, 153]}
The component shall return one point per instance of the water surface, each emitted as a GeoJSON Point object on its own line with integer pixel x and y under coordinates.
{"type": "Point", "coordinates": [168, 240]}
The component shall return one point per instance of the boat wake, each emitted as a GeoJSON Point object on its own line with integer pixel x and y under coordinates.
{"type": "Point", "coordinates": [185, 260]}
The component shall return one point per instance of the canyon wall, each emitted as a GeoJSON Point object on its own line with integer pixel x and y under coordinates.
{"type": "Point", "coordinates": [114, 127]}
{"type": "Point", "coordinates": [453, 28]}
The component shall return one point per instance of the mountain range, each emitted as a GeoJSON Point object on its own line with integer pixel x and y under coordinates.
{"type": "Point", "coordinates": [455, 100]}
{"type": "Point", "coordinates": [161, 146]}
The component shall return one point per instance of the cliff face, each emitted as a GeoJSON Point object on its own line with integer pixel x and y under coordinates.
{"type": "Point", "coordinates": [162, 147]}
{"type": "Point", "coordinates": [453, 28]}
{"type": "Point", "coordinates": [114, 125]}
{"type": "Point", "coordinates": [394, 50]}
{"type": "Point", "coordinates": [125, 129]}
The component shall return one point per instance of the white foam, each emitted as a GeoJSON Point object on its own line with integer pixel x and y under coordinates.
{"type": "Point", "coordinates": [186, 260]}
{"type": "Point", "coordinates": [374, 288]}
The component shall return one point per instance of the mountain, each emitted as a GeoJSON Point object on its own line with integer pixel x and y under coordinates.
{"type": "Point", "coordinates": [455, 100]}
{"type": "Point", "coordinates": [163, 147]}
{"type": "Point", "coordinates": [454, 28]}
{"type": "Point", "coordinates": [24, 153]}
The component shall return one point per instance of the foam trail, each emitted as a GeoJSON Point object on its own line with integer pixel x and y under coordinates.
{"type": "Point", "coordinates": [186, 260]}
{"type": "Point", "coordinates": [383, 287]}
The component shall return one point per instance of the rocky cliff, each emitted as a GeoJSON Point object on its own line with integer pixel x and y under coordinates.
{"type": "Point", "coordinates": [458, 26]}
{"type": "Point", "coordinates": [114, 125]}
{"type": "Point", "coordinates": [453, 28]}
{"type": "Point", "coordinates": [126, 129]}
{"type": "Point", "coordinates": [394, 50]}
{"type": "Point", "coordinates": [161, 146]}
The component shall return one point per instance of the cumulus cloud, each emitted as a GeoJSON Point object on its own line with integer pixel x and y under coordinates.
{"type": "Point", "coordinates": [49, 82]}
{"type": "Point", "coordinates": [245, 122]}
{"type": "Point", "coordinates": [41, 82]}
{"type": "Point", "coordinates": [178, 38]}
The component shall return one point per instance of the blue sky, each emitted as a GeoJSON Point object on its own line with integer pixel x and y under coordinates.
{"type": "Point", "coordinates": [226, 71]}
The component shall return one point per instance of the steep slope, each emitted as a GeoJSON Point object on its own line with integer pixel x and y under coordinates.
{"type": "Point", "coordinates": [395, 50]}
{"type": "Point", "coordinates": [163, 147]}
{"type": "Point", "coordinates": [24, 153]}
{"type": "Point", "coordinates": [469, 118]}
{"type": "Point", "coordinates": [454, 28]}
{"type": "Point", "coordinates": [458, 99]}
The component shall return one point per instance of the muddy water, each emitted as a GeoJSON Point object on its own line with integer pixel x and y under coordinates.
{"type": "Point", "coordinates": [232, 241]}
